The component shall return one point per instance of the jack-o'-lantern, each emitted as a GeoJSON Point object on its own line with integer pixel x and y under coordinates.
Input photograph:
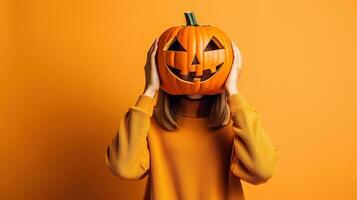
{"type": "Point", "coordinates": [194, 59]}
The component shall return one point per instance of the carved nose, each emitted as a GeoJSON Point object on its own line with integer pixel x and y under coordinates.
{"type": "Point", "coordinates": [195, 61]}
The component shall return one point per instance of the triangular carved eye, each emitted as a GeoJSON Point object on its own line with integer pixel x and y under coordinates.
{"type": "Point", "coordinates": [213, 44]}
{"type": "Point", "coordinates": [176, 46]}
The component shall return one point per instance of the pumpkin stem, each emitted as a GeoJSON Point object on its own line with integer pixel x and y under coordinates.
{"type": "Point", "coordinates": [190, 19]}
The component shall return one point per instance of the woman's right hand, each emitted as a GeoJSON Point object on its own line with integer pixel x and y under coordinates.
{"type": "Point", "coordinates": [152, 80]}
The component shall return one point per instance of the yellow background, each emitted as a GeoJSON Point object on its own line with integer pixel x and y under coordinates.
{"type": "Point", "coordinates": [70, 69]}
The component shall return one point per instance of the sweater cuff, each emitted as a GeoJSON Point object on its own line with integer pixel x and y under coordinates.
{"type": "Point", "coordinates": [237, 101]}
{"type": "Point", "coordinates": [146, 104]}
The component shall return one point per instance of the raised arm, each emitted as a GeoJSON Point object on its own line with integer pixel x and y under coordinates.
{"type": "Point", "coordinates": [128, 155]}
{"type": "Point", "coordinates": [254, 156]}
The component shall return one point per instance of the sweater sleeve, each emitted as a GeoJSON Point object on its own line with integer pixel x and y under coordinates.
{"type": "Point", "coordinates": [254, 156]}
{"type": "Point", "coordinates": [128, 155]}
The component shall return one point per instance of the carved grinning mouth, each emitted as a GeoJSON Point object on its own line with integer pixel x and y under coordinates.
{"type": "Point", "coordinates": [191, 76]}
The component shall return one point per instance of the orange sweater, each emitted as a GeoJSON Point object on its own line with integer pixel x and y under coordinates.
{"type": "Point", "coordinates": [192, 163]}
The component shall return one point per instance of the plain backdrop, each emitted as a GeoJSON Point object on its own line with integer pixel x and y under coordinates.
{"type": "Point", "coordinates": [70, 69]}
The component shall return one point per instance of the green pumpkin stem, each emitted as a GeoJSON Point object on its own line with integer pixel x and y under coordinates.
{"type": "Point", "coordinates": [190, 19]}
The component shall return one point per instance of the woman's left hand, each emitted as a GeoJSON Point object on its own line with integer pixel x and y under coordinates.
{"type": "Point", "coordinates": [232, 79]}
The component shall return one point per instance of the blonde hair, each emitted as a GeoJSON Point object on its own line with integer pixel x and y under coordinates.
{"type": "Point", "coordinates": [213, 107]}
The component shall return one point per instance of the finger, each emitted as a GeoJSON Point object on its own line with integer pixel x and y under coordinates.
{"type": "Point", "coordinates": [236, 54]}
{"type": "Point", "coordinates": [154, 51]}
{"type": "Point", "coordinates": [152, 46]}
{"type": "Point", "coordinates": [235, 49]}
{"type": "Point", "coordinates": [155, 45]}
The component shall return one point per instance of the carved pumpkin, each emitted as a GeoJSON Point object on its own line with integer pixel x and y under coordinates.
{"type": "Point", "coordinates": [194, 59]}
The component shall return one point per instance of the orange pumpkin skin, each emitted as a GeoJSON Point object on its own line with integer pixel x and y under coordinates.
{"type": "Point", "coordinates": [190, 63]}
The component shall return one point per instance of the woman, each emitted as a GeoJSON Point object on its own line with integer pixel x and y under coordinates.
{"type": "Point", "coordinates": [190, 149]}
